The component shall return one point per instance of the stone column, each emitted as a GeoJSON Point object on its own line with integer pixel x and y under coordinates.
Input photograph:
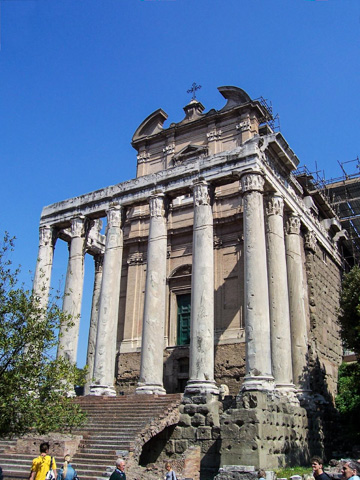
{"type": "Point", "coordinates": [278, 296]}
{"type": "Point", "coordinates": [152, 344]}
{"type": "Point", "coordinates": [201, 372]}
{"type": "Point", "coordinates": [42, 278]}
{"type": "Point", "coordinates": [68, 341]}
{"type": "Point", "coordinates": [90, 357]}
{"type": "Point", "coordinates": [296, 283]}
{"type": "Point", "coordinates": [257, 319]}
{"type": "Point", "coordinates": [105, 352]}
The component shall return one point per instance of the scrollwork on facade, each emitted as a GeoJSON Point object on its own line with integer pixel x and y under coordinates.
{"type": "Point", "coordinates": [275, 205]}
{"type": "Point", "coordinates": [244, 126]}
{"type": "Point", "coordinates": [77, 226]}
{"type": "Point", "coordinates": [157, 206]}
{"type": "Point", "coordinates": [201, 194]}
{"type": "Point", "coordinates": [310, 241]}
{"type": "Point", "coordinates": [169, 149]}
{"type": "Point", "coordinates": [293, 225]}
{"type": "Point", "coordinates": [114, 216]}
{"type": "Point", "coordinates": [45, 235]}
{"type": "Point", "coordinates": [214, 135]}
{"type": "Point", "coordinates": [136, 258]}
{"type": "Point", "coordinates": [252, 182]}
{"type": "Point", "coordinates": [143, 157]}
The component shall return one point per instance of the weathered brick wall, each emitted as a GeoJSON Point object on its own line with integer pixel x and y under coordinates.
{"type": "Point", "coordinates": [324, 281]}
{"type": "Point", "coordinates": [127, 372]}
{"type": "Point", "coordinates": [230, 366]}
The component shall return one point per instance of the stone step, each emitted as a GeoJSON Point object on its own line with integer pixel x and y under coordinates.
{"type": "Point", "coordinates": [112, 426]}
{"type": "Point", "coordinates": [110, 451]}
{"type": "Point", "coordinates": [106, 443]}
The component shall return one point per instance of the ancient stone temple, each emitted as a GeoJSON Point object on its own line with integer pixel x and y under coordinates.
{"type": "Point", "coordinates": [218, 273]}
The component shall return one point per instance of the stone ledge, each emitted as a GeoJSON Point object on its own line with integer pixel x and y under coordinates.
{"type": "Point", "coordinates": [60, 444]}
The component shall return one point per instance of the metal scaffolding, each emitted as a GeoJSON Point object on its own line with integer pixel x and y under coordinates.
{"type": "Point", "coordinates": [343, 194]}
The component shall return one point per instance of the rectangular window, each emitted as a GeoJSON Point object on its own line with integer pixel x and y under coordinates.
{"type": "Point", "coordinates": [183, 319]}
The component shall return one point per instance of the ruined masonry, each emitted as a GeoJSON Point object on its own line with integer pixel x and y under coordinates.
{"type": "Point", "coordinates": [218, 276]}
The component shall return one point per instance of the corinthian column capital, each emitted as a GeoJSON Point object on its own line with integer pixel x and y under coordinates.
{"type": "Point", "coordinates": [45, 235]}
{"type": "Point", "coordinates": [275, 205]}
{"type": "Point", "coordinates": [310, 241]}
{"type": "Point", "coordinates": [114, 216]}
{"type": "Point", "coordinates": [156, 203]}
{"type": "Point", "coordinates": [252, 182]}
{"type": "Point", "coordinates": [77, 226]}
{"type": "Point", "coordinates": [201, 193]}
{"type": "Point", "coordinates": [293, 225]}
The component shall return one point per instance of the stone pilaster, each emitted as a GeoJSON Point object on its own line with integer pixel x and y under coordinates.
{"type": "Point", "coordinates": [105, 352]}
{"type": "Point", "coordinates": [257, 320]}
{"type": "Point", "coordinates": [152, 345]}
{"type": "Point", "coordinates": [278, 296]}
{"type": "Point", "coordinates": [90, 357]}
{"type": "Point", "coordinates": [42, 278]}
{"type": "Point", "coordinates": [69, 336]}
{"type": "Point", "coordinates": [296, 285]}
{"type": "Point", "coordinates": [201, 374]}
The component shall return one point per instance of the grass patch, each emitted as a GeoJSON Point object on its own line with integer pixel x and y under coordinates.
{"type": "Point", "coordinates": [290, 471]}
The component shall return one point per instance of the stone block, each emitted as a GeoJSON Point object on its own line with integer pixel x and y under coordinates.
{"type": "Point", "coordinates": [60, 444]}
{"type": "Point", "coordinates": [209, 420]}
{"type": "Point", "coordinates": [198, 420]}
{"type": "Point", "coordinates": [190, 409]}
{"type": "Point", "coordinates": [215, 433]}
{"type": "Point", "coordinates": [185, 420]}
{"type": "Point", "coordinates": [200, 399]}
{"type": "Point", "coordinates": [170, 447]}
{"type": "Point", "coordinates": [203, 433]}
{"type": "Point", "coordinates": [177, 433]}
{"type": "Point", "coordinates": [189, 433]}
{"type": "Point", "coordinates": [181, 446]}
{"type": "Point", "coordinates": [203, 409]}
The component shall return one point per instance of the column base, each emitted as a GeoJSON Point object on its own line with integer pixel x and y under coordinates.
{"type": "Point", "coordinates": [201, 387]}
{"type": "Point", "coordinates": [102, 390]}
{"type": "Point", "coordinates": [287, 390]}
{"type": "Point", "coordinates": [150, 389]}
{"type": "Point", "coordinates": [258, 383]}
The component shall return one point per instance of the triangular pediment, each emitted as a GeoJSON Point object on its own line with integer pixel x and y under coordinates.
{"type": "Point", "coordinates": [190, 151]}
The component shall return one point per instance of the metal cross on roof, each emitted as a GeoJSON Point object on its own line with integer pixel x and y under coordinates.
{"type": "Point", "coordinates": [193, 89]}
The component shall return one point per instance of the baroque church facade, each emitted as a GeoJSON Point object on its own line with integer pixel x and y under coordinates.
{"type": "Point", "coordinates": [218, 272]}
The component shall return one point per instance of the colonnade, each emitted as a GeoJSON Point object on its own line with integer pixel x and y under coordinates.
{"type": "Point", "coordinates": [274, 303]}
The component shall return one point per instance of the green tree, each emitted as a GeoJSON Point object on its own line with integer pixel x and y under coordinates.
{"type": "Point", "coordinates": [349, 317]}
{"type": "Point", "coordinates": [33, 385]}
{"type": "Point", "coordinates": [348, 398]}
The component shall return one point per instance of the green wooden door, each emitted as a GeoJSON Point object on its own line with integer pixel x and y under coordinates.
{"type": "Point", "coordinates": [184, 310]}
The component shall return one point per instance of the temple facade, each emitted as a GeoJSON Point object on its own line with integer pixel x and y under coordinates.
{"type": "Point", "coordinates": [217, 271]}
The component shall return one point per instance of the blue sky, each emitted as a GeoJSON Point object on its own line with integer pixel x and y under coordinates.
{"type": "Point", "coordinates": [79, 76]}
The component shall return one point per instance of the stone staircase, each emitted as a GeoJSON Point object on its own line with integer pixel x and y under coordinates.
{"type": "Point", "coordinates": [116, 426]}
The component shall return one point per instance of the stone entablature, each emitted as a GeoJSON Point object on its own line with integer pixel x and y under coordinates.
{"type": "Point", "coordinates": [177, 181]}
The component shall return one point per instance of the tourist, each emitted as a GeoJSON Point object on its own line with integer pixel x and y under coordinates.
{"type": "Point", "coordinates": [43, 463]}
{"type": "Point", "coordinates": [67, 472]}
{"type": "Point", "coordinates": [350, 470]}
{"type": "Point", "coordinates": [317, 468]}
{"type": "Point", "coordinates": [119, 472]}
{"type": "Point", "coordinates": [261, 475]}
{"type": "Point", "coordinates": [170, 474]}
